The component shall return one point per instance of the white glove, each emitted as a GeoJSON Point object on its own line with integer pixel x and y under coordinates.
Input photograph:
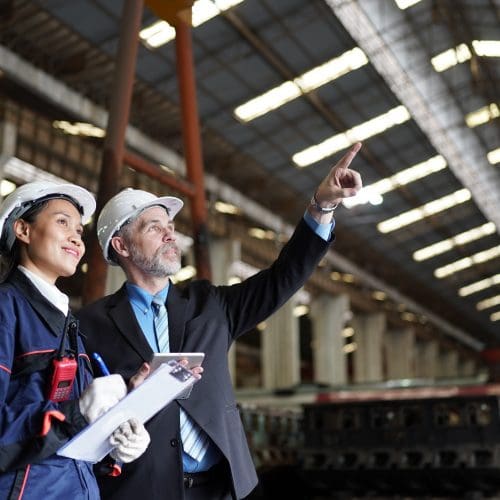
{"type": "Point", "coordinates": [102, 394]}
{"type": "Point", "coordinates": [130, 441]}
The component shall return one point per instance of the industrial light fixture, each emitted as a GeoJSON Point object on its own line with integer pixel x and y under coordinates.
{"type": "Point", "coordinates": [404, 4]}
{"type": "Point", "coordinates": [373, 192]}
{"type": "Point", "coordinates": [487, 303]}
{"type": "Point", "coordinates": [226, 208]}
{"type": "Point", "coordinates": [494, 156]}
{"type": "Point", "coordinates": [348, 278]}
{"type": "Point", "coordinates": [347, 332]}
{"type": "Point", "coordinates": [460, 239]}
{"type": "Point", "coordinates": [477, 286]}
{"type": "Point", "coordinates": [308, 81]}
{"type": "Point", "coordinates": [466, 262]}
{"type": "Point", "coordinates": [495, 316]}
{"type": "Point", "coordinates": [372, 127]}
{"type": "Point", "coordinates": [408, 316]}
{"type": "Point", "coordinates": [300, 310]}
{"type": "Point", "coordinates": [379, 295]}
{"type": "Point", "coordinates": [335, 276]}
{"type": "Point", "coordinates": [262, 234]}
{"type": "Point", "coordinates": [348, 348]}
{"type": "Point", "coordinates": [79, 128]}
{"type": "Point", "coordinates": [161, 32]}
{"type": "Point", "coordinates": [431, 208]}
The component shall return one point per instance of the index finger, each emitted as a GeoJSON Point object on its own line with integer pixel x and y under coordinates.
{"type": "Point", "coordinates": [346, 160]}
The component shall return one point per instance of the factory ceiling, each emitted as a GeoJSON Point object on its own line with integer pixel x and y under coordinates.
{"type": "Point", "coordinates": [418, 85]}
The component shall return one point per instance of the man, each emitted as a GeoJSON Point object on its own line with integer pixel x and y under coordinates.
{"type": "Point", "coordinates": [136, 232]}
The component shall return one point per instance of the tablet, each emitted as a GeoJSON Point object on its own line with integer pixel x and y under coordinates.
{"type": "Point", "coordinates": [194, 358]}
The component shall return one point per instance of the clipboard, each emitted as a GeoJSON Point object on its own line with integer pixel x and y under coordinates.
{"type": "Point", "coordinates": [158, 390]}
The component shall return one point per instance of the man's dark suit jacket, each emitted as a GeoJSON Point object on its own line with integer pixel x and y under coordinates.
{"type": "Point", "coordinates": [206, 318]}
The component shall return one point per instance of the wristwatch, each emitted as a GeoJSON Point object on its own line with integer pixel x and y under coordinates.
{"type": "Point", "coordinates": [319, 208]}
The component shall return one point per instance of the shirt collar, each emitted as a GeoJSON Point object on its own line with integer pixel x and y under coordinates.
{"type": "Point", "coordinates": [49, 291]}
{"type": "Point", "coordinates": [142, 298]}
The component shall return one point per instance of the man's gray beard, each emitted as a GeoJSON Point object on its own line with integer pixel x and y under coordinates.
{"type": "Point", "coordinates": [155, 266]}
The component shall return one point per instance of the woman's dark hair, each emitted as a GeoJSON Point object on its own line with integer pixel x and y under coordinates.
{"type": "Point", "coordinates": [10, 261]}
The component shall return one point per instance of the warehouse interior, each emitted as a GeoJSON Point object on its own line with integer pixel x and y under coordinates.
{"type": "Point", "coordinates": [241, 107]}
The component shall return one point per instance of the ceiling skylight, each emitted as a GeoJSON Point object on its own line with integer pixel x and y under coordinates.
{"type": "Point", "coordinates": [466, 262]}
{"type": "Point", "coordinates": [161, 32]}
{"type": "Point", "coordinates": [372, 192]}
{"type": "Point", "coordinates": [487, 48]}
{"type": "Point", "coordinates": [457, 240]}
{"type": "Point", "coordinates": [308, 81]}
{"type": "Point", "coordinates": [336, 143]}
{"type": "Point", "coordinates": [477, 286]}
{"type": "Point", "coordinates": [482, 115]}
{"type": "Point", "coordinates": [462, 53]}
{"type": "Point", "coordinates": [431, 208]}
{"type": "Point", "coordinates": [157, 34]}
{"type": "Point", "coordinates": [404, 4]}
{"type": "Point", "coordinates": [494, 156]}
{"type": "Point", "coordinates": [451, 57]}
{"type": "Point", "coordinates": [487, 303]}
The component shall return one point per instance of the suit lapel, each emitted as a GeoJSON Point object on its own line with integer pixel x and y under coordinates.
{"type": "Point", "coordinates": [176, 309]}
{"type": "Point", "coordinates": [124, 318]}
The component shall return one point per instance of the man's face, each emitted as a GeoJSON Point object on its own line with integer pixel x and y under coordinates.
{"type": "Point", "coordinates": [152, 244]}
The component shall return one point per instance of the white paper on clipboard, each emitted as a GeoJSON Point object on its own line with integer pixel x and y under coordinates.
{"type": "Point", "coordinates": [159, 389]}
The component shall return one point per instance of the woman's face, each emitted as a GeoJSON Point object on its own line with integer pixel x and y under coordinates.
{"type": "Point", "coordinates": [52, 245]}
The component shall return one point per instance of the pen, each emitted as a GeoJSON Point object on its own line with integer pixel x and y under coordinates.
{"type": "Point", "coordinates": [102, 365]}
{"type": "Point", "coordinates": [115, 465]}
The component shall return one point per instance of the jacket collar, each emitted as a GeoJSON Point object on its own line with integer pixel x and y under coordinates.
{"type": "Point", "coordinates": [51, 316]}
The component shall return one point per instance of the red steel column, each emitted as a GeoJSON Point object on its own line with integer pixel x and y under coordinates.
{"type": "Point", "coordinates": [112, 158]}
{"type": "Point", "coordinates": [192, 145]}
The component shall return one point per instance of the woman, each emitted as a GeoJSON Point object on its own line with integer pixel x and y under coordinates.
{"type": "Point", "coordinates": [46, 389]}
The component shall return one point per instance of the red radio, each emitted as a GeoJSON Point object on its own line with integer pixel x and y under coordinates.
{"type": "Point", "coordinates": [65, 366]}
{"type": "Point", "coordinates": [63, 376]}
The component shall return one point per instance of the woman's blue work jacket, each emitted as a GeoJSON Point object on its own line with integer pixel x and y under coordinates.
{"type": "Point", "coordinates": [33, 428]}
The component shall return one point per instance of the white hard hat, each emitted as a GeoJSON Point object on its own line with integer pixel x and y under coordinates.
{"type": "Point", "coordinates": [125, 205]}
{"type": "Point", "coordinates": [26, 196]}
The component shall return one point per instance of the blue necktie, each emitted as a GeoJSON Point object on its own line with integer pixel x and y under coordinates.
{"type": "Point", "coordinates": [194, 441]}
